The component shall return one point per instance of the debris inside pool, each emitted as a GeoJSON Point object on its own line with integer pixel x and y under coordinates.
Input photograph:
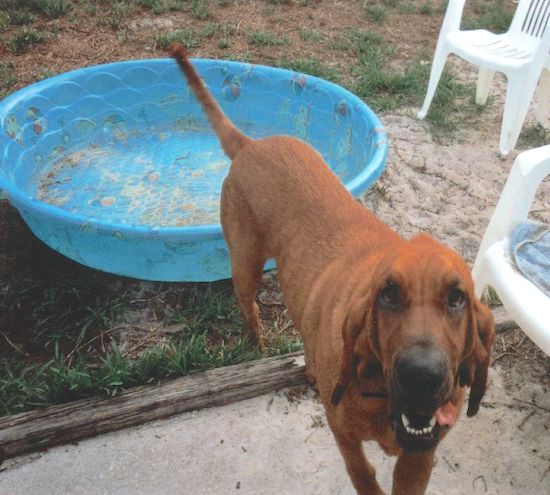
{"type": "Point", "coordinates": [171, 178]}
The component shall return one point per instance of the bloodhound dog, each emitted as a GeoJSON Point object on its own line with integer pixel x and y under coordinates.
{"type": "Point", "coordinates": [392, 330]}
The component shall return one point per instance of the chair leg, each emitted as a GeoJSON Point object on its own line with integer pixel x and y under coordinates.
{"type": "Point", "coordinates": [484, 81]}
{"type": "Point", "coordinates": [518, 97]}
{"type": "Point", "coordinates": [477, 276]}
{"type": "Point", "coordinates": [438, 64]}
{"type": "Point", "coordinates": [543, 96]}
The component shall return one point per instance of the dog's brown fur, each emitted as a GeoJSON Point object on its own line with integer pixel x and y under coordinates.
{"type": "Point", "coordinates": [334, 261]}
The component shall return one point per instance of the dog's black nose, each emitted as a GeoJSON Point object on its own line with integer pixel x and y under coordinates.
{"type": "Point", "coordinates": [420, 372]}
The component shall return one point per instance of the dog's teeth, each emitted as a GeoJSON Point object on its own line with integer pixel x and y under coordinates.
{"type": "Point", "coordinates": [418, 431]}
{"type": "Point", "coordinates": [405, 420]}
{"type": "Point", "coordinates": [432, 421]}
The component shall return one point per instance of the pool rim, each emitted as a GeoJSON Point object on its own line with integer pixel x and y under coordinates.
{"type": "Point", "coordinates": [23, 201]}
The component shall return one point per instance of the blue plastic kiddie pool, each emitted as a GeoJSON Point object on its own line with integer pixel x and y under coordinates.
{"type": "Point", "coordinates": [116, 166]}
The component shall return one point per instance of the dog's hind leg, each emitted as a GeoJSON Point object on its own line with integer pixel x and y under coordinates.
{"type": "Point", "coordinates": [248, 257]}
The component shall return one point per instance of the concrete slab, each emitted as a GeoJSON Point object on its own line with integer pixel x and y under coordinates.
{"type": "Point", "coordinates": [280, 444]}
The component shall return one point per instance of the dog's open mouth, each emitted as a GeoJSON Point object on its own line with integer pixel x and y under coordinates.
{"type": "Point", "coordinates": [421, 432]}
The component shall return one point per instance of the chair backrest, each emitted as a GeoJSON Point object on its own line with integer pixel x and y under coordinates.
{"type": "Point", "coordinates": [531, 17]}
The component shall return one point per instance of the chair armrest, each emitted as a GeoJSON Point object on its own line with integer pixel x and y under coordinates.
{"type": "Point", "coordinates": [528, 171]}
{"type": "Point", "coordinates": [525, 302]}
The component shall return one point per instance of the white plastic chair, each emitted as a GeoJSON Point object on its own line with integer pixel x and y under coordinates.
{"type": "Point", "coordinates": [522, 53]}
{"type": "Point", "coordinates": [525, 302]}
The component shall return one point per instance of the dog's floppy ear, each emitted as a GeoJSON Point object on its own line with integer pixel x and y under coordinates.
{"type": "Point", "coordinates": [358, 318]}
{"type": "Point", "coordinates": [474, 369]}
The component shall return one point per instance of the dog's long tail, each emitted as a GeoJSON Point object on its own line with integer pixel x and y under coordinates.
{"type": "Point", "coordinates": [232, 140]}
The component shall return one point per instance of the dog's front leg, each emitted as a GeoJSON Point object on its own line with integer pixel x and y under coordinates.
{"type": "Point", "coordinates": [362, 474]}
{"type": "Point", "coordinates": [412, 472]}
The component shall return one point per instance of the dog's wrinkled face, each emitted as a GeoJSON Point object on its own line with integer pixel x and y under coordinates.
{"type": "Point", "coordinates": [423, 325]}
{"type": "Point", "coordinates": [428, 332]}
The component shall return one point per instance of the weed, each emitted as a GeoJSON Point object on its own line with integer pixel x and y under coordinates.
{"type": "Point", "coordinates": [387, 89]}
{"type": "Point", "coordinates": [7, 78]}
{"type": "Point", "coordinates": [533, 135]}
{"type": "Point", "coordinates": [23, 388]}
{"type": "Point", "coordinates": [215, 29]}
{"type": "Point", "coordinates": [52, 8]}
{"type": "Point", "coordinates": [376, 13]}
{"type": "Point", "coordinates": [490, 298]}
{"type": "Point", "coordinates": [187, 37]}
{"type": "Point", "coordinates": [493, 15]}
{"type": "Point", "coordinates": [24, 39]}
{"type": "Point", "coordinates": [204, 306]}
{"type": "Point", "coordinates": [118, 12]}
{"type": "Point", "coordinates": [311, 35]}
{"type": "Point", "coordinates": [263, 38]}
{"type": "Point", "coordinates": [199, 8]}
{"type": "Point", "coordinates": [240, 57]}
{"type": "Point", "coordinates": [340, 44]}
{"type": "Point", "coordinates": [407, 8]}
{"type": "Point", "coordinates": [426, 9]}
{"type": "Point", "coordinates": [310, 66]}
{"type": "Point", "coordinates": [21, 17]}
{"type": "Point", "coordinates": [161, 6]}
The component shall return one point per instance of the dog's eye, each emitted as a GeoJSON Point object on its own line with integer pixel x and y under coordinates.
{"type": "Point", "coordinates": [455, 298]}
{"type": "Point", "coordinates": [389, 295]}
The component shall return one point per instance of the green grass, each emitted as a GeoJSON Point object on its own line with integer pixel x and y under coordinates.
{"type": "Point", "coordinates": [189, 38]}
{"type": "Point", "coordinates": [311, 35]}
{"type": "Point", "coordinates": [310, 66]}
{"type": "Point", "coordinates": [161, 6]}
{"type": "Point", "coordinates": [490, 298]}
{"type": "Point", "coordinates": [407, 8]}
{"type": "Point", "coordinates": [20, 17]}
{"type": "Point", "coordinates": [199, 9]}
{"type": "Point", "coordinates": [263, 38]}
{"type": "Point", "coordinates": [24, 39]}
{"type": "Point", "coordinates": [63, 316]}
{"type": "Point", "coordinates": [52, 9]}
{"type": "Point", "coordinates": [27, 387]}
{"type": "Point", "coordinates": [73, 319]}
{"type": "Point", "coordinates": [387, 89]}
{"type": "Point", "coordinates": [426, 8]}
{"type": "Point", "coordinates": [215, 29]}
{"type": "Point", "coordinates": [493, 15]}
{"type": "Point", "coordinates": [7, 78]}
{"type": "Point", "coordinates": [533, 136]}
{"type": "Point", "coordinates": [115, 16]}
{"type": "Point", "coordinates": [376, 13]}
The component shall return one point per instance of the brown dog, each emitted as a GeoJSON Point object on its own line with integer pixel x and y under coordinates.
{"type": "Point", "coordinates": [392, 329]}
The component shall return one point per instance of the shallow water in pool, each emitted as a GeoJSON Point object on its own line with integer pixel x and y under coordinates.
{"type": "Point", "coordinates": [171, 178]}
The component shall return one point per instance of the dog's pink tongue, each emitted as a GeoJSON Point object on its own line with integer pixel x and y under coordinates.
{"type": "Point", "coordinates": [446, 414]}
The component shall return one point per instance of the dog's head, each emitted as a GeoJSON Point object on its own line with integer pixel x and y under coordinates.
{"type": "Point", "coordinates": [420, 324]}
